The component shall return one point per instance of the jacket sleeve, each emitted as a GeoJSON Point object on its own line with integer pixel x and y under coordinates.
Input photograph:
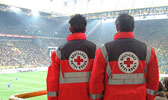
{"type": "Point", "coordinates": [53, 77]}
{"type": "Point", "coordinates": [152, 81]}
{"type": "Point", "coordinates": [96, 85]}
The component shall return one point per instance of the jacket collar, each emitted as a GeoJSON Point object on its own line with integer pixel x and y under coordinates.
{"type": "Point", "coordinates": [76, 36]}
{"type": "Point", "coordinates": [123, 35]}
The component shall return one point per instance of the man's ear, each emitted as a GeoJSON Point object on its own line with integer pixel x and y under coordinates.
{"type": "Point", "coordinates": [164, 86]}
{"type": "Point", "coordinates": [70, 29]}
{"type": "Point", "coordinates": [117, 28]}
{"type": "Point", "coordinates": [84, 30]}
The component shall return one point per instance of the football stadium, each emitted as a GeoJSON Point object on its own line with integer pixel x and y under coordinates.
{"type": "Point", "coordinates": [30, 30]}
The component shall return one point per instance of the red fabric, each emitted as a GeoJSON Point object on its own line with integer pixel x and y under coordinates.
{"type": "Point", "coordinates": [96, 84]}
{"type": "Point", "coordinates": [123, 35]}
{"type": "Point", "coordinates": [152, 79]}
{"type": "Point", "coordinates": [69, 69]}
{"type": "Point", "coordinates": [52, 98]}
{"type": "Point", "coordinates": [125, 90]}
{"type": "Point", "coordinates": [67, 91]}
{"type": "Point", "coordinates": [71, 91]}
{"type": "Point", "coordinates": [96, 99]}
{"type": "Point", "coordinates": [53, 75]}
{"type": "Point", "coordinates": [74, 91]}
{"type": "Point", "coordinates": [99, 79]}
{"type": "Point", "coordinates": [76, 36]}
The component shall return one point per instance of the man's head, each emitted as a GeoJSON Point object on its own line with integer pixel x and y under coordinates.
{"type": "Point", "coordinates": [124, 23]}
{"type": "Point", "coordinates": [77, 24]}
{"type": "Point", "coordinates": [164, 81]}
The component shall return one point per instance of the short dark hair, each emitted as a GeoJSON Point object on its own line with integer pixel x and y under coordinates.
{"type": "Point", "coordinates": [125, 23]}
{"type": "Point", "coordinates": [78, 23]}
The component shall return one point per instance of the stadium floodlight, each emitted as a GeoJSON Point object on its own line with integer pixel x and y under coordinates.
{"type": "Point", "coordinates": [35, 13]}
{"type": "Point", "coordinates": [15, 9]}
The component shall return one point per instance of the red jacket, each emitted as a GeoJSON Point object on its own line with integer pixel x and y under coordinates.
{"type": "Point", "coordinates": [69, 74]}
{"type": "Point", "coordinates": [124, 69]}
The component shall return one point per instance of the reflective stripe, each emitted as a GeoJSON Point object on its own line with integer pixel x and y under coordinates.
{"type": "Point", "coordinates": [129, 81]}
{"type": "Point", "coordinates": [148, 55]}
{"type": "Point", "coordinates": [96, 96]}
{"type": "Point", "coordinates": [52, 94]}
{"type": "Point", "coordinates": [77, 74]}
{"type": "Point", "coordinates": [108, 70]}
{"type": "Point", "coordinates": [128, 76]}
{"type": "Point", "coordinates": [73, 77]}
{"type": "Point", "coordinates": [104, 52]}
{"type": "Point", "coordinates": [121, 79]}
{"type": "Point", "coordinates": [74, 80]}
{"type": "Point", "coordinates": [58, 53]}
{"type": "Point", "coordinates": [151, 92]}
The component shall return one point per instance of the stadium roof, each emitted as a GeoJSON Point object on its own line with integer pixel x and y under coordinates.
{"type": "Point", "coordinates": [69, 7]}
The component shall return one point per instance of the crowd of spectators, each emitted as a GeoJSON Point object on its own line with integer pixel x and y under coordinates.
{"type": "Point", "coordinates": [155, 33]}
{"type": "Point", "coordinates": [19, 52]}
{"type": "Point", "coordinates": [28, 52]}
{"type": "Point", "coordinates": [22, 53]}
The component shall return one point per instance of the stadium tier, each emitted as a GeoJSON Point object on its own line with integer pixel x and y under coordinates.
{"type": "Point", "coordinates": [26, 43]}
{"type": "Point", "coordinates": [24, 40]}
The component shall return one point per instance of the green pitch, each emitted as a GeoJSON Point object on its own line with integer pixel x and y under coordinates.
{"type": "Point", "coordinates": [22, 83]}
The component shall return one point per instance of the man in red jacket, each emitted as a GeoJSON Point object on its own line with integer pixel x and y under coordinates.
{"type": "Point", "coordinates": [126, 68]}
{"type": "Point", "coordinates": [69, 74]}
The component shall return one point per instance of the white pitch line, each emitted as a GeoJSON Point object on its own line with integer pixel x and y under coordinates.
{"type": "Point", "coordinates": [28, 81]}
{"type": "Point", "coordinates": [27, 90]}
{"type": "Point", "coordinates": [16, 85]}
{"type": "Point", "coordinates": [31, 76]}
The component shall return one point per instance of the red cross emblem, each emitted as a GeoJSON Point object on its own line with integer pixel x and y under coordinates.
{"type": "Point", "coordinates": [78, 60]}
{"type": "Point", "coordinates": [128, 62]}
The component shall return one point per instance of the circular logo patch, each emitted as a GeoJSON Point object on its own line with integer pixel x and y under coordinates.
{"type": "Point", "coordinates": [78, 60]}
{"type": "Point", "coordinates": [128, 62]}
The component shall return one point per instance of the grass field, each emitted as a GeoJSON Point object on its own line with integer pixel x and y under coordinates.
{"type": "Point", "coordinates": [22, 83]}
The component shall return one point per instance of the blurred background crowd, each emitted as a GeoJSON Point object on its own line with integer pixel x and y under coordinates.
{"type": "Point", "coordinates": [19, 52]}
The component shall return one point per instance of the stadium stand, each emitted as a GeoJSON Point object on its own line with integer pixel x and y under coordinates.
{"type": "Point", "coordinates": [24, 40]}
{"type": "Point", "coordinates": [23, 52]}
{"type": "Point", "coordinates": [154, 32]}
